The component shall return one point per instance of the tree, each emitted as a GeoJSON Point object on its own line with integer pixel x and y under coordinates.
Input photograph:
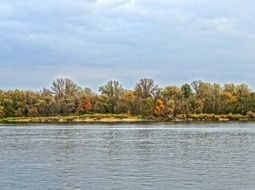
{"type": "Point", "coordinates": [173, 94]}
{"type": "Point", "coordinates": [67, 98]}
{"type": "Point", "coordinates": [196, 85]}
{"type": "Point", "coordinates": [65, 92]}
{"type": "Point", "coordinates": [131, 101]}
{"type": "Point", "coordinates": [2, 112]}
{"type": "Point", "coordinates": [85, 101]}
{"type": "Point", "coordinates": [45, 103]}
{"type": "Point", "coordinates": [146, 107]}
{"type": "Point", "coordinates": [63, 88]}
{"type": "Point", "coordinates": [243, 98]}
{"type": "Point", "coordinates": [186, 90]}
{"type": "Point", "coordinates": [145, 88]}
{"type": "Point", "coordinates": [207, 96]}
{"type": "Point", "coordinates": [8, 107]}
{"type": "Point", "coordinates": [228, 101]}
{"type": "Point", "coordinates": [159, 107]}
{"type": "Point", "coordinates": [113, 91]}
{"type": "Point", "coordinates": [84, 105]}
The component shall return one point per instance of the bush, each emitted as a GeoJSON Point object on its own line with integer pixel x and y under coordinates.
{"type": "Point", "coordinates": [250, 114]}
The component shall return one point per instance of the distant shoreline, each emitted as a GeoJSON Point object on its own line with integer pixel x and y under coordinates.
{"type": "Point", "coordinates": [119, 118]}
{"type": "Point", "coordinates": [67, 102]}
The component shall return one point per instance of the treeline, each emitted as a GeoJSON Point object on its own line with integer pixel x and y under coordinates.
{"type": "Point", "coordinates": [147, 99]}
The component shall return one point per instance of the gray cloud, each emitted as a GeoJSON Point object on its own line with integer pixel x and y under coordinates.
{"type": "Point", "coordinates": [94, 41]}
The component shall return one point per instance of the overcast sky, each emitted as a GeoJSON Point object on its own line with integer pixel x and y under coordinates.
{"type": "Point", "coordinates": [93, 41]}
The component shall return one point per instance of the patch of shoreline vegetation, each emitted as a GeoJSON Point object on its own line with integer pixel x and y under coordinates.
{"type": "Point", "coordinates": [67, 102]}
{"type": "Point", "coordinates": [124, 118]}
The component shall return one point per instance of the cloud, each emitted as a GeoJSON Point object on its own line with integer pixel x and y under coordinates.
{"type": "Point", "coordinates": [5, 9]}
{"type": "Point", "coordinates": [93, 40]}
{"type": "Point", "coordinates": [215, 23]}
{"type": "Point", "coordinates": [114, 3]}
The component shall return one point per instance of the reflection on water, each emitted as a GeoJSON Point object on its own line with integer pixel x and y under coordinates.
{"type": "Point", "coordinates": [205, 156]}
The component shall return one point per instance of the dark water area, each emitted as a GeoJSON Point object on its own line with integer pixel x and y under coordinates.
{"type": "Point", "coordinates": [156, 156]}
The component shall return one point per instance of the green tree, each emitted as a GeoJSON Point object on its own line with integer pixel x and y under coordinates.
{"type": "Point", "coordinates": [8, 108]}
{"type": "Point", "coordinates": [186, 90]}
{"type": "Point", "coordinates": [113, 92]}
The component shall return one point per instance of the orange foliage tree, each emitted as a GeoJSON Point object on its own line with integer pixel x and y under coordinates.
{"type": "Point", "coordinates": [159, 107]}
{"type": "Point", "coordinates": [84, 105]}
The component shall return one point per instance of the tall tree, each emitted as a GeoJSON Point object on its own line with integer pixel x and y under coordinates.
{"type": "Point", "coordinates": [145, 88]}
{"type": "Point", "coordinates": [64, 87]}
{"type": "Point", "coordinates": [113, 91]}
{"type": "Point", "coordinates": [186, 90]}
{"type": "Point", "coordinates": [65, 92]}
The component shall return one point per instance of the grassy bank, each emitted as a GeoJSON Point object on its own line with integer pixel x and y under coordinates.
{"type": "Point", "coordinates": [92, 118]}
{"type": "Point", "coordinates": [124, 118]}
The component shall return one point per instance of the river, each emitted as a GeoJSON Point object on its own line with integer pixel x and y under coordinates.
{"type": "Point", "coordinates": [215, 156]}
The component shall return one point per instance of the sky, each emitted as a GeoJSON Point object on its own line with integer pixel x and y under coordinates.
{"type": "Point", "coordinates": [94, 41]}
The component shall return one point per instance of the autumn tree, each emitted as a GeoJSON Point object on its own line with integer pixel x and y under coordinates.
{"type": "Point", "coordinates": [113, 93]}
{"type": "Point", "coordinates": [65, 92]}
{"type": "Point", "coordinates": [85, 101]}
{"type": "Point", "coordinates": [66, 98]}
{"type": "Point", "coordinates": [145, 88]}
{"type": "Point", "coordinates": [159, 107]}
{"type": "Point", "coordinates": [146, 91]}
{"type": "Point", "coordinates": [45, 103]}
{"type": "Point", "coordinates": [172, 96]}
{"type": "Point", "coordinates": [64, 88]}
{"type": "Point", "coordinates": [131, 101]}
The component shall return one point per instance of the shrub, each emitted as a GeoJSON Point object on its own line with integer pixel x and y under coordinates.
{"type": "Point", "coordinates": [250, 114]}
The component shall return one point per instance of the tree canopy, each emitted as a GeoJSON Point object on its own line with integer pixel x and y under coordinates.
{"type": "Point", "coordinates": [65, 97]}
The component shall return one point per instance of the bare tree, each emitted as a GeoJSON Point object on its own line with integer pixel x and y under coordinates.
{"type": "Point", "coordinates": [146, 88]}
{"type": "Point", "coordinates": [64, 88]}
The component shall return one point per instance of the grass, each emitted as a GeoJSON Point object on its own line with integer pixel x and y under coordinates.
{"type": "Point", "coordinates": [214, 117]}
{"type": "Point", "coordinates": [124, 118]}
{"type": "Point", "coordinates": [87, 118]}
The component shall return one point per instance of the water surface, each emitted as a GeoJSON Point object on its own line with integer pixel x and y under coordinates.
{"type": "Point", "coordinates": [162, 156]}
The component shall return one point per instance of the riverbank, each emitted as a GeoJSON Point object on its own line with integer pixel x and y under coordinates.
{"type": "Point", "coordinates": [124, 118]}
{"type": "Point", "coordinates": [90, 118]}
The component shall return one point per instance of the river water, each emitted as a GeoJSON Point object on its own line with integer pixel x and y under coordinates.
{"type": "Point", "coordinates": [156, 156]}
